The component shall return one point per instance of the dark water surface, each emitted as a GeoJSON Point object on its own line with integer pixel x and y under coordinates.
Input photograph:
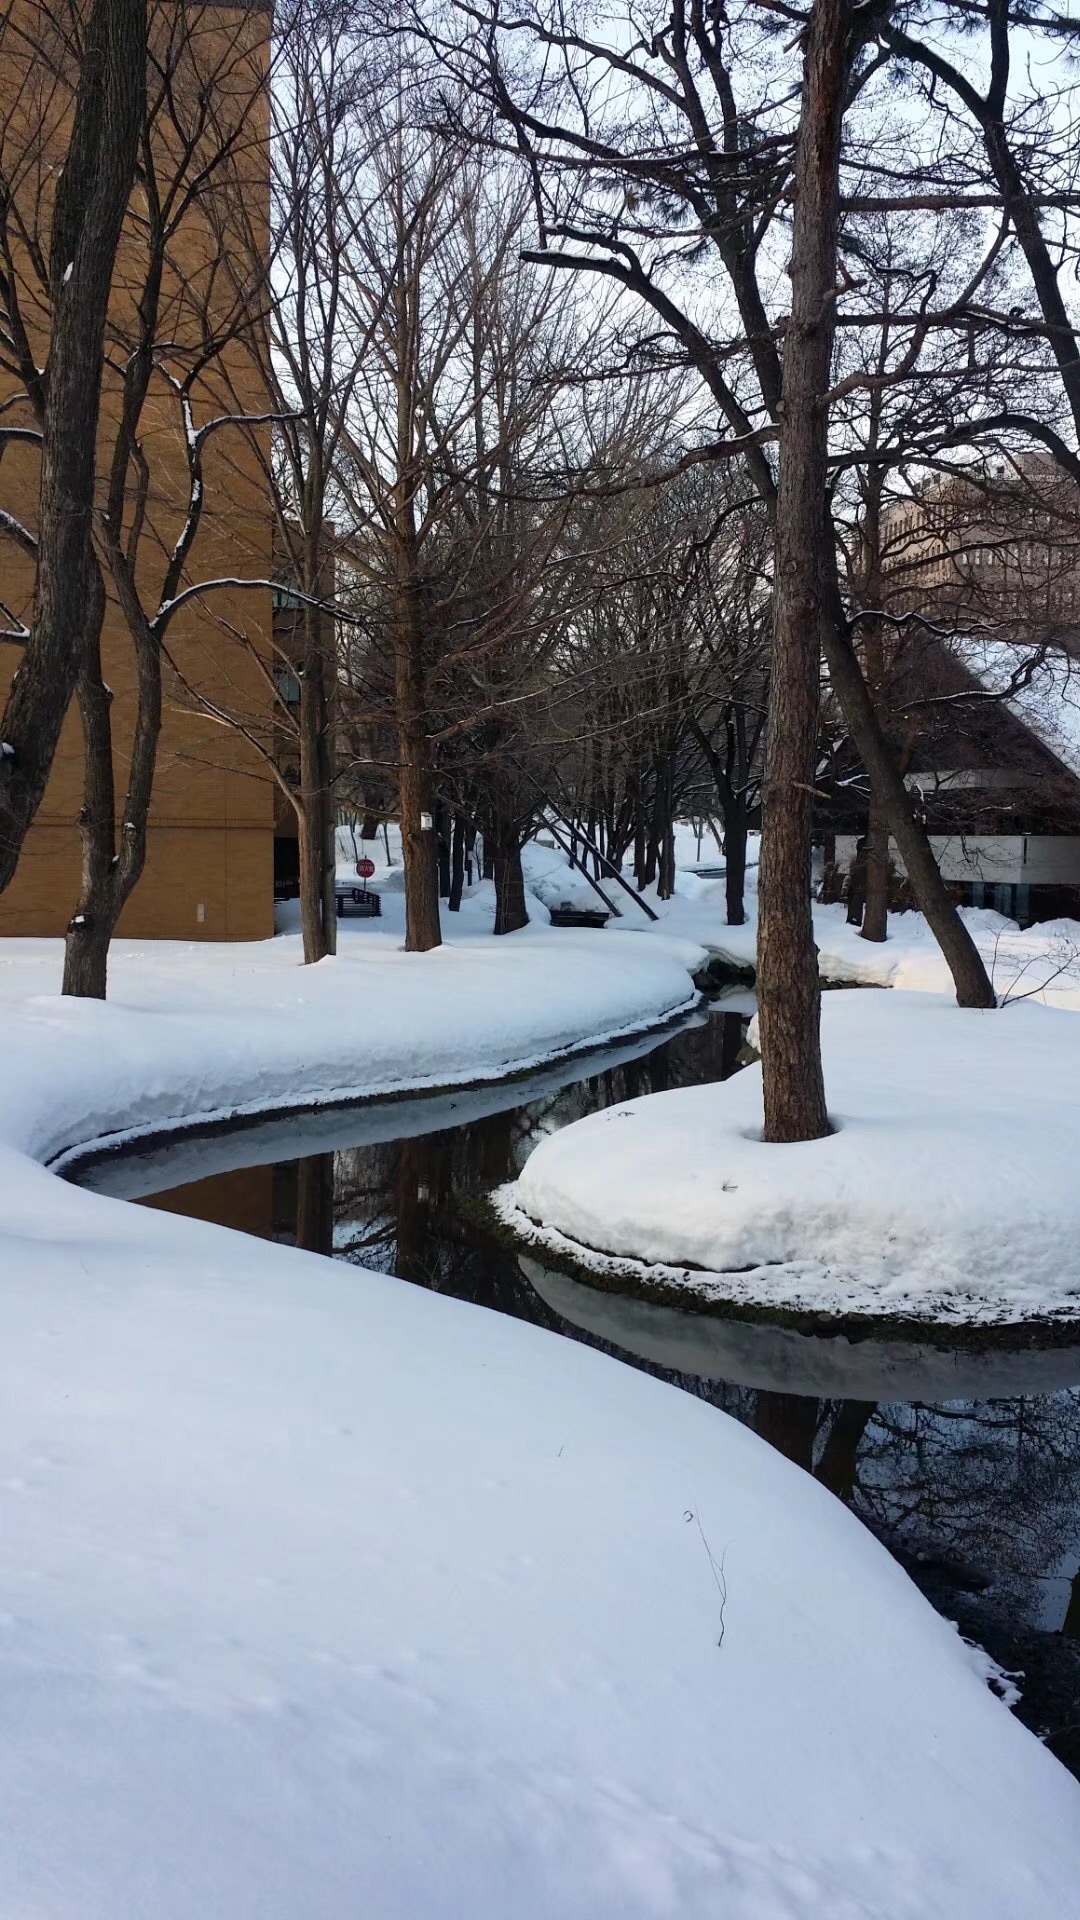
{"type": "Point", "coordinates": [966, 1464]}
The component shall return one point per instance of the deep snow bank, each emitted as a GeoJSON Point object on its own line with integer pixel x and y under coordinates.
{"type": "Point", "coordinates": [947, 1191]}
{"type": "Point", "coordinates": [203, 1031]}
{"type": "Point", "coordinates": [323, 1594]}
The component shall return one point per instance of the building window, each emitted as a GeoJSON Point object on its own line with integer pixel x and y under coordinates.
{"type": "Point", "coordinates": [287, 684]}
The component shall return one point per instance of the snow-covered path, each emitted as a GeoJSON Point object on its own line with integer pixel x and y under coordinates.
{"type": "Point", "coordinates": [325, 1595]}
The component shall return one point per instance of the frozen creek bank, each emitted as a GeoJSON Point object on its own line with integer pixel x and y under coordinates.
{"type": "Point", "coordinates": [323, 1595]}
{"type": "Point", "coordinates": [947, 1191]}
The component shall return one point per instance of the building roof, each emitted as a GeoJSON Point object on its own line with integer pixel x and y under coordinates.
{"type": "Point", "coordinates": [1040, 685]}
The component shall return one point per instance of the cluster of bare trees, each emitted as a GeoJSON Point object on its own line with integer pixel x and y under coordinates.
{"type": "Point", "coordinates": [588, 375]}
{"type": "Point", "coordinates": [466, 526]}
{"type": "Point", "coordinates": [856, 225]}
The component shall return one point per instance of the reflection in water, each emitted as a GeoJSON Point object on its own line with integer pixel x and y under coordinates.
{"type": "Point", "coordinates": [968, 1466]}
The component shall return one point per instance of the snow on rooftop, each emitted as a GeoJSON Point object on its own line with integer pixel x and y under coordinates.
{"type": "Point", "coordinates": [1048, 704]}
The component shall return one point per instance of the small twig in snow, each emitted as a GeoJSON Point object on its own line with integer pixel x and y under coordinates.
{"type": "Point", "coordinates": [717, 1566]}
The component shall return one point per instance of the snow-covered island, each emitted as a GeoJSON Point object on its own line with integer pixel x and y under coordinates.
{"type": "Point", "coordinates": [323, 1592]}
{"type": "Point", "coordinates": [943, 1195]}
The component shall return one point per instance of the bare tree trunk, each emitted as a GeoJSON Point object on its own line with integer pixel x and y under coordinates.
{"type": "Point", "coordinates": [972, 983]}
{"type": "Point", "coordinates": [665, 873]}
{"type": "Point", "coordinates": [856, 884]}
{"type": "Point", "coordinates": [111, 868]}
{"type": "Point", "coordinates": [875, 925]}
{"type": "Point", "coordinates": [309, 845]}
{"type": "Point", "coordinates": [444, 835]}
{"type": "Point", "coordinates": [735, 834]}
{"type": "Point", "coordinates": [90, 930]}
{"type": "Point", "coordinates": [422, 929]}
{"type": "Point", "coordinates": [415, 784]}
{"type": "Point", "coordinates": [328, 822]}
{"type": "Point", "coordinates": [640, 846]}
{"type": "Point", "coordinates": [510, 910]}
{"type": "Point", "coordinates": [91, 198]}
{"type": "Point", "coordinates": [789, 993]}
{"type": "Point", "coordinates": [457, 865]}
{"type": "Point", "coordinates": [318, 897]}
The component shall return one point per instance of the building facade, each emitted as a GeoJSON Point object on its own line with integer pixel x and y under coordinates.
{"type": "Point", "coordinates": [210, 846]}
{"type": "Point", "coordinates": [978, 683]}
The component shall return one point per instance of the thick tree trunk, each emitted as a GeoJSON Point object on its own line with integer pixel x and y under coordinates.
{"type": "Point", "coordinates": [309, 843]}
{"type": "Point", "coordinates": [510, 912]}
{"type": "Point", "coordinates": [92, 195]}
{"type": "Point", "coordinates": [735, 832]}
{"type": "Point", "coordinates": [112, 866]}
{"type": "Point", "coordinates": [789, 994]}
{"type": "Point", "coordinates": [422, 928]}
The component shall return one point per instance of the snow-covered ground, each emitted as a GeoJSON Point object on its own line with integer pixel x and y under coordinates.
{"type": "Point", "coordinates": [947, 1190]}
{"type": "Point", "coordinates": [323, 1594]}
{"type": "Point", "coordinates": [205, 1029]}
{"type": "Point", "coordinates": [1042, 961]}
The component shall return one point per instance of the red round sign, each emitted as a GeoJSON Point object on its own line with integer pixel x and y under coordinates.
{"type": "Point", "coordinates": [365, 868]}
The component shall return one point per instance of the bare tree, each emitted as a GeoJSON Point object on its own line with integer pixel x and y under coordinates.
{"type": "Point", "coordinates": [449, 472]}
{"type": "Point", "coordinates": [94, 81]}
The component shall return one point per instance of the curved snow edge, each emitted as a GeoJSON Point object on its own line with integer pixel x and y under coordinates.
{"type": "Point", "coordinates": [65, 1159]}
{"type": "Point", "coordinates": [732, 1295]}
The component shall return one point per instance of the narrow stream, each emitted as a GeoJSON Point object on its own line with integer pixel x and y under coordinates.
{"type": "Point", "coordinates": [966, 1464]}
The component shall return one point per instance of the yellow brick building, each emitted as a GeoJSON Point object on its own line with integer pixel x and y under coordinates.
{"type": "Point", "coordinates": [209, 867]}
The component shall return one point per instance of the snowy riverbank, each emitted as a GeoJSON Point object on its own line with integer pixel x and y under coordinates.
{"type": "Point", "coordinates": [205, 1031]}
{"type": "Point", "coordinates": [1040, 962]}
{"type": "Point", "coordinates": [946, 1192]}
{"type": "Point", "coordinates": [323, 1593]}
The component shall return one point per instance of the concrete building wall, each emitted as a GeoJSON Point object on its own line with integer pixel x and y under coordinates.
{"type": "Point", "coordinates": [1034, 860]}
